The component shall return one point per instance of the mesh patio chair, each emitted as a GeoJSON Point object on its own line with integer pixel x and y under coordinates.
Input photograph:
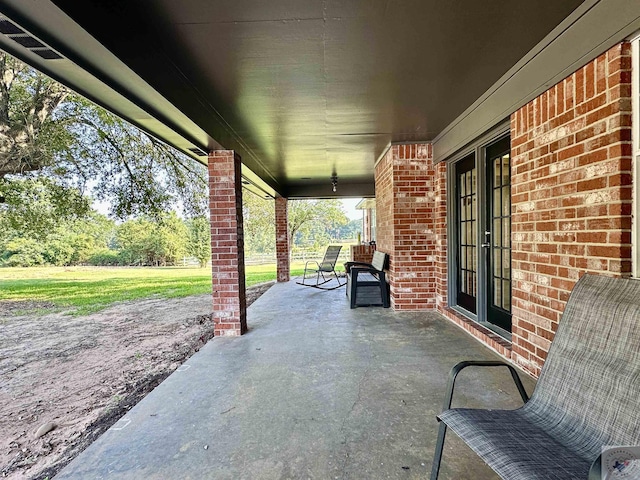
{"type": "Point", "coordinates": [586, 397]}
{"type": "Point", "coordinates": [316, 276]}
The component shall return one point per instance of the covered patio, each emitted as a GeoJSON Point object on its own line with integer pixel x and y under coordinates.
{"type": "Point", "coordinates": [499, 144]}
{"type": "Point", "coordinates": [495, 141]}
{"type": "Point", "coordinates": [313, 390]}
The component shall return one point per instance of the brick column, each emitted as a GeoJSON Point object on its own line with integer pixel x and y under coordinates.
{"type": "Point", "coordinates": [227, 244]}
{"type": "Point", "coordinates": [282, 239]}
{"type": "Point", "coordinates": [408, 206]}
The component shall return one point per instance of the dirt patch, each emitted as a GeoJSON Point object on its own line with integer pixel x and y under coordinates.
{"type": "Point", "coordinates": [74, 377]}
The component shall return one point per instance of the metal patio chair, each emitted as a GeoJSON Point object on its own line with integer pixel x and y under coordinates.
{"type": "Point", "coordinates": [327, 266]}
{"type": "Point", "coordinates": [586, 397]}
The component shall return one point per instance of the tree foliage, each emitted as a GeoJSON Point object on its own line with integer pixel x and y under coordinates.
{"type": "Point", "coordinates": [154, 242]}
{"type": "Point", "coordinates": [259, 223]}
{"type": "Point", "coordinates": [312, 223]}
{"type": "Point", "coordinates": [55, 134]}
{"type": "Point", "coordinates": [199, 244]}
{"type": "Point", "coordinates": [34, 232]}
{"type": "Point", "coordinates": [34, 207]}
{"type": "Point", "coordinates": [29, 136]}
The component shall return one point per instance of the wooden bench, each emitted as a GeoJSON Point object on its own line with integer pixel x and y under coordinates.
{"type": "Point", "coordinates": [587, 396]}
{"type": "Point", "coordinates": [366, 282]}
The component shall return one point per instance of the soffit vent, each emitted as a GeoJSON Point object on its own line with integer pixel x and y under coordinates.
{"type": "Point", "coordinates": [198, 151]}
{"type": "Point", "coordinates": [28, 41]}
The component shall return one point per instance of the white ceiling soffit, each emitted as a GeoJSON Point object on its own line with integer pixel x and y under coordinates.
{"type": "Point", "coordinates": [589, 31]}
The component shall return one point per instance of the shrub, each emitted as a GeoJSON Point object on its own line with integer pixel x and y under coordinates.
{"type": "Point", "coordinates": [105, 258]}
{"type": "Point", "coordinates": [24, 252]}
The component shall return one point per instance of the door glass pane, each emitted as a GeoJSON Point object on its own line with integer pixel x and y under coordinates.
{"type": "Point", "coordinates": [506, 232]}
{"type": "Point", "coordinates": [506, 201]}
{"type": "Point", "coordinates": [497, 294]}
{"type": "Point", "coordinates": [466, 228]}
{"type": "Point", "coordinates": [496, 200]}
{"type": "Point", "coordinates": [506, 298]}
{"type": "Point", "coordinates": [506, 170]}
{"type": "Point", "coordinates": [506, 264]}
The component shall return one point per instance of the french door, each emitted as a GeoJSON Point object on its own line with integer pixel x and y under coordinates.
{"type": "Point", "coordinates": [497, 242]}
{"type": "Point", "coordinates": [483, 233]}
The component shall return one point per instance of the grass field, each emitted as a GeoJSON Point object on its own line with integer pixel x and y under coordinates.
{"type": "Point", "coordinates": [84, 290]}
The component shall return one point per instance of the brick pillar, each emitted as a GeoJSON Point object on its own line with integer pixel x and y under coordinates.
{"type": "Point", "coordinates": [407, 209]}
{"type": "Point", "coordinates": [227, 244]}
{"type": "Point", "coordinates": [282, 239]}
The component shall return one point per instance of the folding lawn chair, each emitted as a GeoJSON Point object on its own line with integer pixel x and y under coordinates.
{"type": "Point", "coordinates": [327, 266]}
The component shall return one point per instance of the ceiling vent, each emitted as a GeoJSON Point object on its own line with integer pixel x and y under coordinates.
{"type": "Point", "coordinates": [198, 151]}
{"type": "Point", "coordinates": [28, 41]}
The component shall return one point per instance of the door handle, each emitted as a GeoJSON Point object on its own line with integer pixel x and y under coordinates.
{"type": "Point", "coordinates": [487, 239]}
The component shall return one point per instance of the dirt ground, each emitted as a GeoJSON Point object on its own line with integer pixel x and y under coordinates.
{"type": "Point", "coordinates": [64, 380]}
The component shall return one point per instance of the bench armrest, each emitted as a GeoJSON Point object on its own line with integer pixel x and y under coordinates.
{"type": "Point", "coordinates": [349, 265]}
{"type": "Point", "coordinates": [379, 274]}
{"type": "Point", "coordinates": [481, 363]}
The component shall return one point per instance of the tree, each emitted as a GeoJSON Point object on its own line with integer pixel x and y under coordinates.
{"type": "Point", "coordinates": [36, 230]}
{"type": "Point", "coordinates": [35, 206]}
{"type": "Point", "coordinates": [311, 222]}
{"type": "Point", "coordinates": [55, 134]}
{"type": "Point", "coordinates": [314, 216]}
{"type": "Point", "coordinates": [199, 244]}
{"type": "Point", "coordinates": [152, 241]}
{"type": "Point", "coordinates": [259, 223]}
{"type": "Point", "coordinates": [29, 137]}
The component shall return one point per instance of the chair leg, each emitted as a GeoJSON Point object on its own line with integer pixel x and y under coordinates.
{"type": "Point", "coordinates": [437, 455]}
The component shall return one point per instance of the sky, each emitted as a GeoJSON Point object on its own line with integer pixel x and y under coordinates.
{"type": "Point", "coordinates": [350, 208]}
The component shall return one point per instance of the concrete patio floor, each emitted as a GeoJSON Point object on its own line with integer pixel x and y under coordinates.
{"type": "Point", "coordinates": [313, 391]}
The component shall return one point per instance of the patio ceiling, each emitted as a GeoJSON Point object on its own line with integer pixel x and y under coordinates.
{"type": "Point", "coordinates": [302, 89]}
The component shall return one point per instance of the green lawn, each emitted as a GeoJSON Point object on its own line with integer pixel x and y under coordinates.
{"type": "Point", "coordinates": [84, 290]}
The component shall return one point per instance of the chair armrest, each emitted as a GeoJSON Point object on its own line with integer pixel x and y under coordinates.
{"type": "Point", "coordinates": [595, 472]}
{"type": "Point", "coordinates": [311, 261]}
{"type": "Point", "coordinates": [481, 363]}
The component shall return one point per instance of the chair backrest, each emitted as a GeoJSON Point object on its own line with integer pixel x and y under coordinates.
{"type": "Point", "coordinates": [379, 260]}
{"type": "Point", "coordinates": [330, 258]}
{"type": "Point", "coordinates": [588, 393]}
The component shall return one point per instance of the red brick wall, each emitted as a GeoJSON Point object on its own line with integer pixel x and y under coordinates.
{"type": "Point", "coordinates": [384, 207]}
{"type": "Point", "coordinates": [362, 253]}
{"type": "Point", "coordinates": [227, 244]}
{"type": "Point", "coordinates": [282, 240]}
{"type": "Point", "coordinates": [571, 198]}
{"type": "Point", "coordinates": [366, 225]}
{"type": "Point", "coordinates": [440, 230]}
{"type": "Point", "coordinates": [406, 208]}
